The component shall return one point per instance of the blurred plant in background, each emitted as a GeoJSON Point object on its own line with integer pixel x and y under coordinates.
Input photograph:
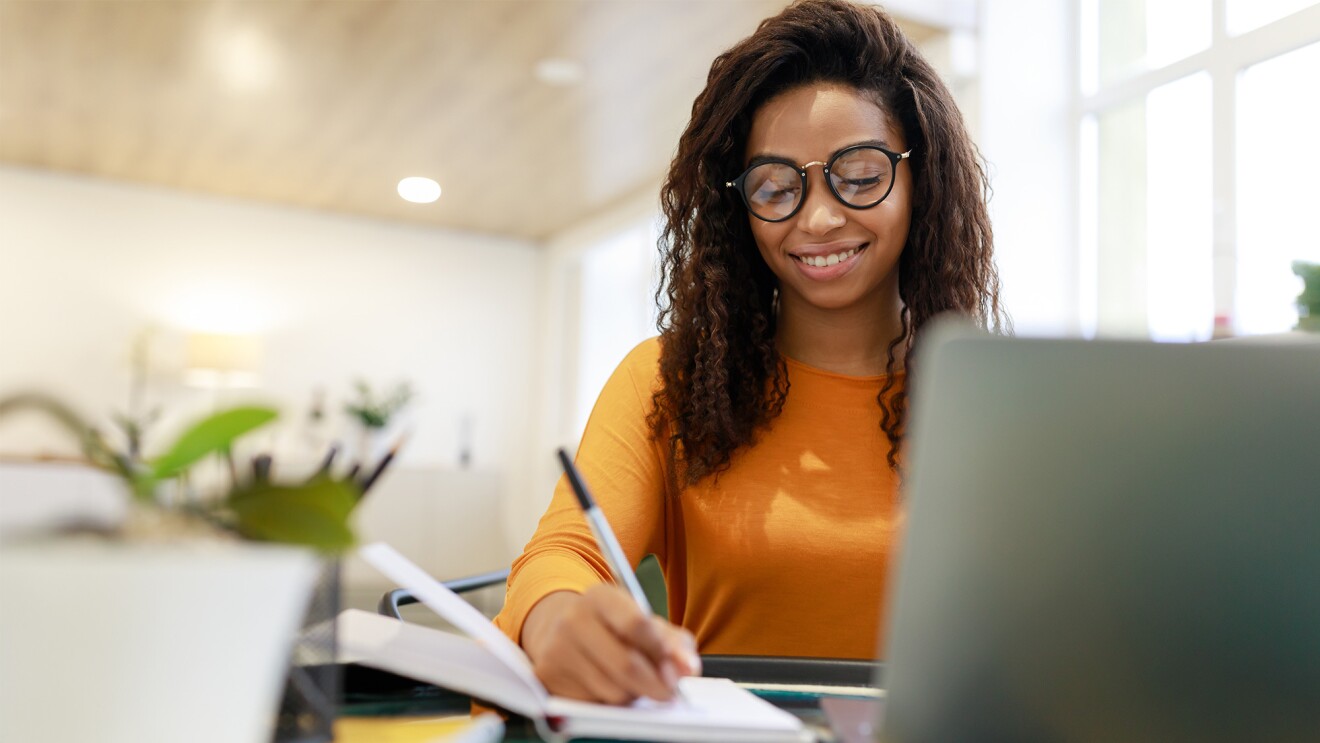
{"type": "Point", "coordinates": [134, 421]}
{"type": "Point", "coordinates": [1308, 302]}
{"type": "Point", "coordinates": [373, 411]}
{"type": "Point", "coordinates": [250, 505]}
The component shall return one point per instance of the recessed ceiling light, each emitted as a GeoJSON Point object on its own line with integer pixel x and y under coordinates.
{"type": "Point", "coordinates": [559, 71]}
{"type": "Point", "coordinates": [246, 59]}
{"type": "Point", "coordinates": [419, 190]}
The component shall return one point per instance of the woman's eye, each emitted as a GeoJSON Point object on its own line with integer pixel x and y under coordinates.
{"type": "Point", "coordinates": [863, 182]}
{"type": "Point", "coordinates": [776, 195]}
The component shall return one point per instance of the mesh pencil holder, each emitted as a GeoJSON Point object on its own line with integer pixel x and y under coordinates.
{"type": "Point", "coordinates": [312, 690]}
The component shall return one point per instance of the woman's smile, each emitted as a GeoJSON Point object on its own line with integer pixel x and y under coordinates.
{"type": "Point", "coordinates": [828, 262]}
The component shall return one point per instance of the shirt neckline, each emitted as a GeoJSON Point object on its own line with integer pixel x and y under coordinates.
{"type": "Point", "coordinates": [836, 375]}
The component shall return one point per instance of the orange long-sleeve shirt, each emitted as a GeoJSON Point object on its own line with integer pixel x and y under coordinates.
{"type": "Point", "coordinates": [786, 553]}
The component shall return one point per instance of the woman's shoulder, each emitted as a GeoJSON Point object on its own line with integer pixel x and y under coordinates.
{"type": "Point", "coordinates": [631, 387]}
{"type": "Point", "coordinates": [638, 371]}
{"type": "Point", "coordinates": [644, 358]}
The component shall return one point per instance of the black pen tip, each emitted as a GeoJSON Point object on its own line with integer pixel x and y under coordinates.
{"type": "Point", "coordinates": [575, 480]}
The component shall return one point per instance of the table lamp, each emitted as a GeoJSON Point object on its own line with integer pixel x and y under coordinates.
{"type": "Point", "coordinates": [220, 360]}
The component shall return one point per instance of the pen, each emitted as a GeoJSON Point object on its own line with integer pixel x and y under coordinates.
{"type": "Point", "coordinates": [330, 454]}
{"type": "Point", "coordinates": [605, 539]}
{"type": "Point", "coordinates": [370, 479]}
{"type": "Point", "coordinates": [261, 468]}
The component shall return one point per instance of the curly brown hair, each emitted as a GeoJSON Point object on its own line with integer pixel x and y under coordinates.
{"type": "Point", "coordinates": [723, 378]}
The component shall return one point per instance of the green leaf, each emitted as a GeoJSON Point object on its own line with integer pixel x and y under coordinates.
{"type": "Point", "coordinates": [63, 414]}
{"type": "Point", "coordinates": [210, 436]}
{"type": "Point", "coordinates": [93, 445]}
{"type": "Point", "coordinates": [315, 514]}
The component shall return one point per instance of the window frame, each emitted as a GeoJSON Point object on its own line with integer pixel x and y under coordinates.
{"type": "Point", "coordinates": [1226, 57]}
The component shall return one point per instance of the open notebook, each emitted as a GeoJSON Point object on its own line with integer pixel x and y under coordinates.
{"type": "Point", "coordinates": [489, 666]}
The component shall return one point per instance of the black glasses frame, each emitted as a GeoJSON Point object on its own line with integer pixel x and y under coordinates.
{"type": "Point", "coordinates": [740, 182]}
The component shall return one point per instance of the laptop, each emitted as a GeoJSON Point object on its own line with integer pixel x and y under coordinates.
{"type": "Point", "coordinates": [1108, 541]}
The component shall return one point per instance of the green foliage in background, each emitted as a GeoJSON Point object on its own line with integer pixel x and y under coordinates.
{"type": "Point", "coordinates": [374, 410]}
{"type": "Point", "coordinates": [313, 513]}
{"type": "Point", "coordinates": [1308, 302]}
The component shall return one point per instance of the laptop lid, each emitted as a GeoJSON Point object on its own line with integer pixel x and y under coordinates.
{"type": "Point", "coordinates": [1109, 541]}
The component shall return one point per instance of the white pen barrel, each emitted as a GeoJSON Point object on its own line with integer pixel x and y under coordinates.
{"type": "Point", "coordinates": [615, 557]}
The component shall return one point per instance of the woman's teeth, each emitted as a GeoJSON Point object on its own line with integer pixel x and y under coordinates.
{"type": "Point", "coordinates": [820, 261]}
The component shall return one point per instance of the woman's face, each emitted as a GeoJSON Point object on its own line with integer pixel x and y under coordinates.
{"type": "Point", "coordinates": [809, 124]}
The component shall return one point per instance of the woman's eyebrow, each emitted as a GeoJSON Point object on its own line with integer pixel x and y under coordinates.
{"type": "Point", "coordinates": [867, 143]}
{"type": "Point", "coordinates": [770, 157]}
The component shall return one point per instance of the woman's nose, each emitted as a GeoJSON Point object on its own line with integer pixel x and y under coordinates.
{"type": "Point", "coordinates": [821, 212]}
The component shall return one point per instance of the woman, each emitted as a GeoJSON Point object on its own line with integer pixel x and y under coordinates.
{"type": "Point", "coordinates": [824, 204]}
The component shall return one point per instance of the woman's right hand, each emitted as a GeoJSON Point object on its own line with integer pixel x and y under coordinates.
{"type": "Point", "coordinates": [601, 647]}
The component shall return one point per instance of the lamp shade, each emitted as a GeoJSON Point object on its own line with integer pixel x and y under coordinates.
{"type": "Point", "coordinates": [216, 359]}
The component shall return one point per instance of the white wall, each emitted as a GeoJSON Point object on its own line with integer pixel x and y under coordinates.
{"type": "Point", "coordinates": [558, 388]}
{"type": "Point", "coordinates": [86, 264]}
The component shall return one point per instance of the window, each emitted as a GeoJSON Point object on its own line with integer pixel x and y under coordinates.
{"type": "Point", "coordinates": [1140, 35]}
{"type": "Point", "coordinates": [1247, 15]}
{"type": "Point", "coordinates": [1278, 186]}
{"type": "Point", "coordinates": [1197, 171]}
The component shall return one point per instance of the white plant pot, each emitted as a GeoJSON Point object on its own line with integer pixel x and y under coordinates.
{"type": "Point", "coordinates": [147, 644]}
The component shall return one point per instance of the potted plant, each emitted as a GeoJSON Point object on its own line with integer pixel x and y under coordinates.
{"type": "Point", "coordinates": [373, 411]}
{"type": "Point", "coordinates": [178, 624]}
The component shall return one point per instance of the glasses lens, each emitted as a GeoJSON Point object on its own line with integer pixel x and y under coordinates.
{"type": "Point", "coordinates": [862, 176]}
{"type": "Point", "coordinates": [773, 190]}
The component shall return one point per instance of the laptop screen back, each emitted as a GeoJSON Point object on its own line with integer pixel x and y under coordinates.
{"type": "Point", "coordinates": [1109, 541]}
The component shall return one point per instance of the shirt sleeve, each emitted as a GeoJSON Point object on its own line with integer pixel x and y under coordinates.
{"type": "Point", "coordinates": [624, 470]}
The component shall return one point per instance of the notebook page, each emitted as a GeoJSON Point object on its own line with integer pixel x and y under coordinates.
{"type": "Point", "coordinates": [447, 660]}
{"type": "Point", "coordinates": [711, 709]}
{"type": "Point", "coordinates": [453, 609]}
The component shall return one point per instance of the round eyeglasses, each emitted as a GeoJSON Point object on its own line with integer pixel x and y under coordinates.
{"type": "Point", "coordinates": [860, 177]}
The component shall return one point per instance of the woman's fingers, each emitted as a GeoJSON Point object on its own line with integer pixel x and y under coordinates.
{"type": "Point", "coordinates": [628, 644]}
{"type": "Point", "coordinates": [681, 648]}
{"type": "Point", "coordinates": [599, 683]}
{"type": "Point", "coordinates": [568, 672]}
{"type": "Point", "coordinates": [657, 638]}
{"type": "Point", "coordinates": [601, 646]}
{"type": "Point", "coordinates": [630, 672]}
{"type": "Point", "coordinates": [637, 628]}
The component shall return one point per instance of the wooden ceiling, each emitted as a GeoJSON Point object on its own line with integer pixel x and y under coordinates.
{"type": "Point", "coordinates": [326, 104]}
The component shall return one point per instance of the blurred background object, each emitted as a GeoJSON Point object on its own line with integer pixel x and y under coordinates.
{"type": "Point", "coordinates": [217, 360]}
{"type": "Point", "coordinates": [1308, 302]}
